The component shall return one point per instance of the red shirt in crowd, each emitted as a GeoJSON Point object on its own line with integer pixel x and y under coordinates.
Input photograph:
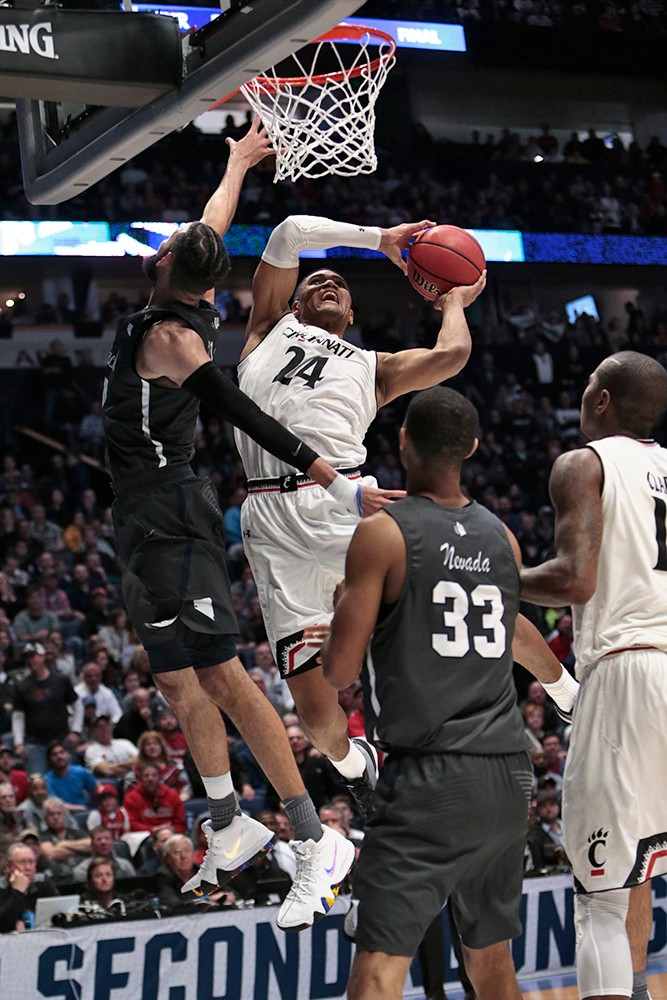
{"type": "Point", "coordinates": [560, 646]}
{"type": "Point", "coordinates": [176, 743]}
{"type": "Point", "coordinates": [355, 724]}
{"type": "Point", "coordinates": [19, 782]}
{"type": "Point", "coordinates": [148, 811]}
{"type": "Point", "coordinates": [116, 822]}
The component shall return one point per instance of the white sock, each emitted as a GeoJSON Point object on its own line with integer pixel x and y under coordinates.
{"type": "Point", "coordinates": [353, 765]}
{"type": "Point", "coordinates": [219, 786]}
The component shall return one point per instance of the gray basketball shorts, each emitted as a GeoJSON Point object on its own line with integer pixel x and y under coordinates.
{"type": "Point", "coordinates": [175, 582]}
{"type": "Point", "coordinates": [448, 827]}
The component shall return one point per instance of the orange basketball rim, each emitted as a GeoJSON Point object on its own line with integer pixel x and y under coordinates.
{"type": "Point", "coordinates": [322, 120]}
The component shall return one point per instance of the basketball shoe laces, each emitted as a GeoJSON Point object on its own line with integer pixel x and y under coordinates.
{"type": "Point", "coordinates": [308, 871]}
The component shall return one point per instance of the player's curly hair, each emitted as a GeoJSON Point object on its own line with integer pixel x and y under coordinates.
{"type": "Point", "coordinates": [442, 425]}
{"type": "Point", "coordinates": [200, 259]}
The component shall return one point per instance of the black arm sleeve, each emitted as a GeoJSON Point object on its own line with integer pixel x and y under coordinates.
{"type": "Point", "coordinates": [221, 396]}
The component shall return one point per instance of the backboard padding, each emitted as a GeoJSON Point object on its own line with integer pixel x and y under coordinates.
{"type": "Point", "coordinates": [231, 50]}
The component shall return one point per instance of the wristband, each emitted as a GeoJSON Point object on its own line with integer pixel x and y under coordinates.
{"type": "Point", "coordinates": [347, 493]}
{"type": "Point", "coordinates": [360, 500]}
{"type": "Point", "coordinates": [563, 691]}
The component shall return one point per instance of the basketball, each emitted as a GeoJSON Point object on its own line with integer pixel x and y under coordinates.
{"type": "Point", "coordinates": [442, 258]}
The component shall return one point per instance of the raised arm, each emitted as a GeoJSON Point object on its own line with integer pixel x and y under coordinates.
{"type": "Point", "coordinates": [278, 271]}
{"type": "Point", "coordinates": [221, 206]}
{"type": "Point", "coordinates": [571, 576]}
{"type": "Point", "coordinates": [244, 154]}
{"type": "Point", "coordinates": [421, 368]}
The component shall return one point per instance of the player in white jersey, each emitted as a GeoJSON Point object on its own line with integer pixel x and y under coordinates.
{"type": "Point", "coordinates": [610, 499]}
{"type": "Point", "coordinates": [295, 361]}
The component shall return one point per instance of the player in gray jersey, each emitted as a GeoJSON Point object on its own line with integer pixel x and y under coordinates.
{"type": "Point", "coordinates": [611, 566]}
{"type": "Point", "coordinates": [170, 539]}
{"type": "Point", "coordinates": [431, 596]}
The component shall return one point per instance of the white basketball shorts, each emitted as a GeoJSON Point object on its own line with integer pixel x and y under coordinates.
{"type": "Point", "coordinates": [296, 545]}
{"type": "Point", "coordinates": [614, 802]}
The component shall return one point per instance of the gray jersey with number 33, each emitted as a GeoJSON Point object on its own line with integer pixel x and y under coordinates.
{"type": "Point", "coordinates": [438, 673]}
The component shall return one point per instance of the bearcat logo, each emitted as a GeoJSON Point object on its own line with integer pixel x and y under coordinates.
{"type": "Point", "coordinates": [27, 38]}
{"type": "Point", "coordinates": [597, 854]}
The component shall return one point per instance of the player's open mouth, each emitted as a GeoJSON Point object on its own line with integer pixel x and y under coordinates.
{"type": "Point", "coordinates": [329, 296]}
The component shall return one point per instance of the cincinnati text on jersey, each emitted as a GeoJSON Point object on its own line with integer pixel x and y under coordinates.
{"type": "Point", "coordinates": [333, 344]}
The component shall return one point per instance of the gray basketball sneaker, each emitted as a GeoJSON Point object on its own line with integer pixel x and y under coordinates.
{"type": "Point", "coordinates": [363, 788]}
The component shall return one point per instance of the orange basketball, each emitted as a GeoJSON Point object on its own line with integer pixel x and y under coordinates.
{"type": "Point", "coordinates": [442, 258]}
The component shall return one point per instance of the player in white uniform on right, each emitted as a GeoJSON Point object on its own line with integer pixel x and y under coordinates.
{"type": "Point", "coordinates": [611, 566]}
{"type": "Point", "coordinates": [296, 362]}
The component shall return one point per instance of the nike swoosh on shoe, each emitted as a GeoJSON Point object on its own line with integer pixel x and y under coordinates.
{"type": "Point", "coordinates": [330, 871]}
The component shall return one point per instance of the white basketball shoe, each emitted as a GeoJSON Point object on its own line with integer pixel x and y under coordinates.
{"type": "Point", "coordinates": [320, 868]}
{"type": "Point", "coordinates": [229, 851]}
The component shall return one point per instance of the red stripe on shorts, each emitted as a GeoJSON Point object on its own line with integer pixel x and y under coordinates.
{"type": "Point", "coordinates": [654, 858]}
{"type": "Point", "coordinates": [290, 655]}
{"type": "Point", "coordinates": [627, 649]}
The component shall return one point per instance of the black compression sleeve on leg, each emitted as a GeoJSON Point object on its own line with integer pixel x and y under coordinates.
{"type": "Point", "coordinates": [221, 396]}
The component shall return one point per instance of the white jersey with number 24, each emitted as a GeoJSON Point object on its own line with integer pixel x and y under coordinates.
{"type": "Point", "coordinates": [316, 384]}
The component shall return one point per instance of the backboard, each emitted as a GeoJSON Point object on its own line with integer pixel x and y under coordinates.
{"type": "Point", "coordinates": [65, 148]}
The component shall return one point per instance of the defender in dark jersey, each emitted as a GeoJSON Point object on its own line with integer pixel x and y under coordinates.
{"type": "Point", "coordinates": [431, 595]}
{"type": "Point", "coordinates": [170, 537]}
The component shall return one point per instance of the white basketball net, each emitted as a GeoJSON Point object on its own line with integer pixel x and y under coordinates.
{"type": "Point", "coordinates": [323, 122]}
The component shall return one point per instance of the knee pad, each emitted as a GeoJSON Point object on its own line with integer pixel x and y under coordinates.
{"type": "Point", "coordinates": [604, 962]}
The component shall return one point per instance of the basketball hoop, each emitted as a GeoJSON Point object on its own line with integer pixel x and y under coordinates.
{"type": "Point", "coordinates": [322, 120]}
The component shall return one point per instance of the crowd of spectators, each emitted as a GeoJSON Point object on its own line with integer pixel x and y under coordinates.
{"type": "Point", "coordinates": [64, 833]}
{"type": "Point", "coordinates": [92, 756]}
{"type": "Point", "coordinates": [589, 183]}
{"type": "Point", "coordinates": [605, 15]}
{"type": "Point", "coordinates": [501, 180]}
{"type": "Point", "coordinates": [60, 580]}
{"type": "Point", "coordinates": [98, 792]}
